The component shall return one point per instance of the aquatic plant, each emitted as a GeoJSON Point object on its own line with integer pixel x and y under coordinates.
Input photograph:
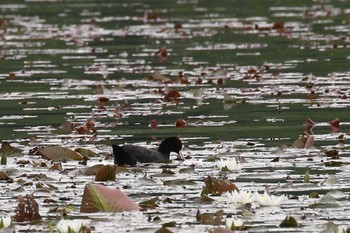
{"type": "Point", "coordinates": [5, 221]}
{"type": "Point", "coordinates": [268, 200]}
{"type": "Point", "coordinates": [230, 164]}
{"type": "Point", "coordinates": [234, 223]}
{"type": "Point", "coordinates": [240, 197]}
{"type": "Point", "coordinates": [69, 226]}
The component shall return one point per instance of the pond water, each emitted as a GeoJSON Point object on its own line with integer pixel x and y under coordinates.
{"type": "Point", "coordinates": [240, 78]}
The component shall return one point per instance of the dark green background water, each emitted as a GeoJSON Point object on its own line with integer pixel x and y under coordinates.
{"type": "Point", "coordinates": [55, 17]}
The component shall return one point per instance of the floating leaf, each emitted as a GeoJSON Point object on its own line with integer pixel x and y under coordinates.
{"type": "Point", "coordinates": [333, 154]}
{"type": "Point", "coordinates": [189, 169]}
{"type": "Point", "coordinates": [210, 218]}
{"type": "Point", "coordinates": [106, 173]}
{"type": "Point", "coordinates": [167, 171]}
{"type": "Point", "coordinates": [211, 159]}
{"type": "Point", "coordinates": [204, 195]}
{"type": "Point", "coordinates": [314, 195]}
{"type": "Point", "coordinates": [56, 167]}
{"type": "Point", "coordinates": [180, 123]}
{"type": "Point", "coordinates": [63, 209]}
{"type": "Point", "coordinates": [289, 221]}
{"type": "Point", "coordinates": [3, 159]}
{"type": "Point", "coordinates": [325, 202]}
{"type": "Point", "coordinates": [307, 177]}
{"type": "Point", "coordinates": [333, 163]}
{"type": "Point", "coordinates": [337, 194]}
{"type": "Point", "coordinates": [332, 179]}
{"type": "Point", "coordinates": [27, 209]}
{"type": "Point", "coordinates": [85, 152]}
{"type": "Point", "coordinates": [58, 153]}
{"type": "Point", "coordinates": [97, 198]}
{"type": "Point", "coordinates": [309, 142]}
{"type": "Point", "coordinates": [158, 77]}
{"type": "Point", "coordinates": [9, 150]}
{"type": "Point", "coordinates": [220, 230]}
{"type": "Point", "coordinates": [179, 182]}
{"type": "Point", "coordinates": [163, 230]}
{"type": "Point", "coordinates": [149, 204]}
{"type": "Point", "coordinates": [4, 176]}
{"type": "Point", "coordinates": [169, 224]}
{"type": "Point", "coordinates": [217, 187]}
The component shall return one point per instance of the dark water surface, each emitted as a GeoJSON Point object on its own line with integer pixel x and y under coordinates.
{"type": "Point", "coordinates": [244, 75]}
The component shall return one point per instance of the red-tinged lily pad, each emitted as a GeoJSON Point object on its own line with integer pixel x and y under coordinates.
{"type": "Point", "coordinates": [58, 153]}
{"type": "Point", "coordinates": [218, 187]}
{"type": "Point", "coordinates": [27, 209]}
{"type": "Point", "coordinates": [99, 198]}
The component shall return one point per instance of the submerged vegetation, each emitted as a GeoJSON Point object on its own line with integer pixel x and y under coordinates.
{"type": "Point", "coordinates": [257, 93]}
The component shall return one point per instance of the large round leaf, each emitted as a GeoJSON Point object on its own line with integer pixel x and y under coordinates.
{"type": "Point", "coordinates": [99, 198]}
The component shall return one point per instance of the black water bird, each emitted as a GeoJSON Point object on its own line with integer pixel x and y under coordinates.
{"type": "Point", "coordinates": [131, 154]}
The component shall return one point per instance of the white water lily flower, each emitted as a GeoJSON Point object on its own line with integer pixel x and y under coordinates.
{"type": "Point", "coordinates": [342, 229]}
{"type": "Point", "coordinates": [230, 164]}
{"type": "Point", "coordinates": [69, 226]}
{"type": "Point", "coordinates": [241, 197]}
{"type": "Point", "coordinates": [5, 222]}
{"type": "Point", "coordinates": [234, 223]}
{"type": "Point", "coordinates": [268, 200]}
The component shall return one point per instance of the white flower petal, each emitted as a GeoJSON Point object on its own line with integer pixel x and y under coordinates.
{"type": "Point", "coordinates": [241, 197]}
{"type": "Point", "coordinates": [268, 200]}
{"type": "Point", "coordinates": [74, 225]}
{"type": "Point", "coordinates": [5, 221]}
{"type": "Point", "coordinates": [236, 222]}
{"type": "Point", "coordinates": [231, 164]}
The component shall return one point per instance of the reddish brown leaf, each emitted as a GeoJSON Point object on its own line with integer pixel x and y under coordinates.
{"type": "Point", "coordinates": [211, 218]}
{"type": "Point", "coordinates": [217, 187]}
{"type": "Point", "coordinates": [180, 123]}
{"type": "Point", "coordinates": [172, 95]}
{"type": "Point", "coordinates": [27, 209]}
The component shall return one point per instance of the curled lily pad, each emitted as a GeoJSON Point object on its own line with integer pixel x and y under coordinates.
{"type": "Point", "coordinates": [210, 218]}
{"type": "Point", "coordinates": [150, 204]}
{"type": "Point", "coordinates": [85, 152]}
{"type": "Point", "coordinates": [217, 187]}
{"type": "Point", "coordinates": [58, 153]}
{"type": "Point", "coordinates": [99, 198]}
{"type": "Point", "coordinates": [289, 221]}
{"type": "Point", "coordinates": [105, 173]}
{"type": "Point", "coordinates": [9, 150]}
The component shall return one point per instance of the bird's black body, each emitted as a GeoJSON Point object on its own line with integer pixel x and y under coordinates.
{"type": "Point", "coordinates": [131, 154]}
